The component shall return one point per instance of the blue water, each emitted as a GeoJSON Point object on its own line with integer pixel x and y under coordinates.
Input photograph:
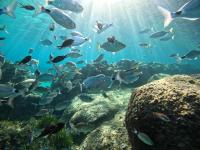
{"type": "Point", "coordinates": [128, 16]}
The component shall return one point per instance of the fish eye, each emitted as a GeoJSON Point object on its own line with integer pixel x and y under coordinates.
{"type": "Point", "coordinates": [16, 91]}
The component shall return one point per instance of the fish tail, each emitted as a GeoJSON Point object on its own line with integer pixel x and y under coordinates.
{"type": "Point", "coordinates": [179, 59]}
{"type": "Point", "coordinates": [10, 102]}
{"type": "Point", "coordinates": [81, 87]}
{"type": "Point", "coordinates": [11, 8]}
{"type": "Point", "coordinates": [167, 14]}
{"type": "Point", "coordinates": [38, 10]}
{"type": "Point", "coordinates": [46, 2]}
{"type": "Point", "coordinates": [98, 46]}
{"type": "Point", "coordinates": [60, 47]}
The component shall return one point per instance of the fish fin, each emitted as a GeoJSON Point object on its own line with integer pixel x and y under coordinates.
{"type": "Point", "coordinates": [178, 59]}
{"type": "Point", "coordinates": [191, 19]}
{"type": "Point", "coordinates": [167, 15]}
{"type": "Point", "coordinates": [81, 87]}
{"type": "Point", "coordinates": [38, 9]}
{"type": "Point", "coordinates": [46, 2]}
{"type": "Point", "coordinates": [171, 30]}
{"type": "Point", "coordinates": [173, 37]}
{"type": "Point", "coordinates": [11, 8]}
{"type": "Point", "coordinates": [10, 102]}
{"type": "Point", "coordinates": [118, 78]}
{"type": "Point", "coordinates": [98, 46]}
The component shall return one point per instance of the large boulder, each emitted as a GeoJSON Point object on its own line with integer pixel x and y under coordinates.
{"type": "Point", "coordinates": [177, 97]}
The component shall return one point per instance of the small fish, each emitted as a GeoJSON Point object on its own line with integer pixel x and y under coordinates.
{"type": "Point", "coordinates": [9, 10]}
{"type": "Point", "coordinates": [5, 102]}
{"type": "Point", "coordinates": [145, 45]}
{"type": "Point", "coordinates": [44, 112]}
{"type": "Point", "coordinates": [26, 82]}
{"type": "Point", "coordinates": [71, 65]}
{"type": "Point", "coordinates": [66, 43]}
{"type": "Point", "coordinates": [73, 55]}
{"type": "Point", "coordinates": [34, 62]}
{"type": "Point", "coordinates": [2, 38]}
{"type": "Point", "coordinates": [193, 54]}
{"type": "Point", "coordinates": [3, 28]}
{"type": "Point", "coordinates": [8, 91]}
{"type": "Point", "coordinates": [98, 82]}
{"type": "Point", "coordinates": [167, 38]}
{"type": "Point", "coordinates": [76, 33]}
{"type": "Point", "coordinates": [62, 37]}
{"type": "Point", "coordinates": [105, 95]}
{"type": "Point", "coordinates": [45, 77]}
{"type": "Point", "coordinates": [2, 60]}
{"type": "Point", "coordinates": [51, 129]}
{"type": "Point", "coordinates": [46, 42]}
{"type": "Point", "coordinates": [161, 116]}
{"type": "Point", "coordinates": [75, 50]}
{"type": "Point", "coordinates": [70, 5]}
{"type": "Point", "coordinates": [189, 11]}
{"type": "Point", "coordinates": [30, 51]}
{"type": "Point", "coordinates": [79, 40]}
{"type": "Point", "coordinates": [128, 77]}
{"type": "Point", "coordinates": [59, 16]}
{"type": "Point", "coordinates": [27, 7]}
{"type": "Point", "coordinates": [147, 30]}
{"type": "Point", "coordinates": [47, 98]}
{"type": "Point", "coordinates": [143, 137]}
{"type": "Point", "coordinates": [25, 60]}
{"type": "Point", "coordinates": [112, 45]}
{"type": "Point", "coordinates": [85, 97]}
{"type": "Point", "coordinates": [99, 58]}
{"type": "Point", "coordinates": [160, 33]}
{"type": "Point", "coordinates": [52, 26]}
{"type": "Point", "coordinates": [61, 106]}
{"type": "Point", "coordinates": [80, 62]}
{"type": "Point", "coordinates": [37, 73]}
{"type": "Point", "coordinates": [100, 27]}
{"type": "Point", "coordinates": [58, 59]}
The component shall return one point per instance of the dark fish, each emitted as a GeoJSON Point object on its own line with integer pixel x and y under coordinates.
{"type": "Point", "coordinates": [62, 37]}
{"type": "Point", "coordinates": [99, 58]}
{"type": "Point", "coordinates": [105, 95]}
{"type": "Point", "coordinates": [80, 62]}
{"type": "Point", "coordinates": [66, 43]}
{"type": "Point", "coordinates": [52, 27]}
{"type": "Point", "coordinates": [46, 42]}
{"type": "Point", "coordinates": [51, 129]}
{"type": "Point", "coordinates": [37, 73]}
{"type": "Point", "coordinates": [2, 38]}
{"type": "Point", "coordinates": [112, 45]}
{"type": "Point", "coordinates": [3, 28]}
{"type": "Point", "coordinates": [30, 51]}
{"type": "Point", "coordinates": [85, 97]}
{"type": "Point", "coordinates": [58, 59]}
{"type": "Point", "coordinates": [27, 7]}
{"type": "Point", "coordinates": [194, 54]}
{"type": "Point", "coordinates": [145, 31]}
{"type": "Point", "coordinates": [25, 60]}
{"type": "Point", "coordinates": [161, 116]}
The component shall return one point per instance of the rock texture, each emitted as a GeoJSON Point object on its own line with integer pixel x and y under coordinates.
{"type": "Point", "coordinates": [111, 135]}
{"type": "Point", "coordinates": [178, 97]}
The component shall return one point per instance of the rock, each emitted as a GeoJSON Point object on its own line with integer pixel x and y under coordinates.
{"type": "Point", "coordinates": [158, 76]}
{"type": "Point", "coordinates": [111, 135]}
{"type": "Point", "coordinates": [178, 97]}
{"type": "Point", "coordinates": [86, 116]}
